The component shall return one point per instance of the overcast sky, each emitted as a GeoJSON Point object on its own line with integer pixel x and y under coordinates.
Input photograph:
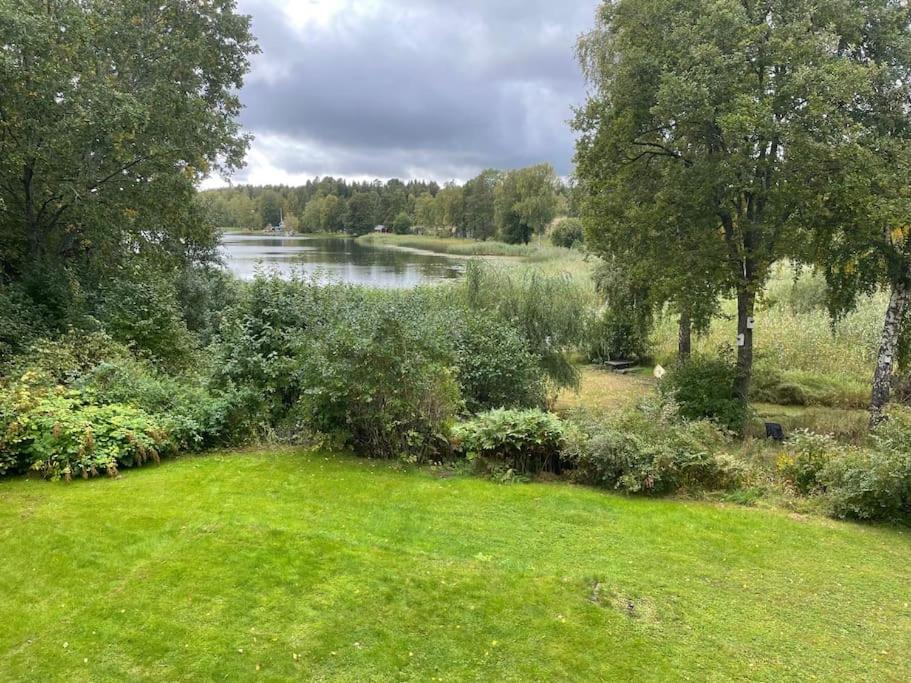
{"type": "Point", "coordinates": [437, 89]}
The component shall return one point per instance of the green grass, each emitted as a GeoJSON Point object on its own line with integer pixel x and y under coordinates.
{"type": "Point", "coordinates": [455, 246]}
{"type": "Point", "coordinates": [286, 565]}
{"type": "Point", "coordinates": [816, 362]}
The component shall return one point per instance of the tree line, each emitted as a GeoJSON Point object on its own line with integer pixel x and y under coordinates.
{"type": "Point", "coordinates": [507, 205]}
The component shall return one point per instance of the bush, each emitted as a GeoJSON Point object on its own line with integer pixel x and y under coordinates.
{"type": "Point", "coordinates": [63, 434]}
{"type": "Point", "coordinates": [618, 335]}
{"type": "Point", "coordinates": [374, 380]}
{"type": "Point", "coordinates": [526, 441]}
{"type": "Point", "coordinates": [805, 459]}
{"type": "Point", "coordinates": [99, 373]}
{"type": "Point", "coordinates": [874, 483]}
{"type": "Point", "coordinates": [568, 233]}
{"type": "Point", "coordinates": [651, 452]}
{"type": "Point", "coordinates": [551, 313]}
{"type": "Point", "coordinates": [703, 388]}
{"type": "Point", "coordinates": [494, 367]}
{"type": "Point", "coordinates": [145, 314]}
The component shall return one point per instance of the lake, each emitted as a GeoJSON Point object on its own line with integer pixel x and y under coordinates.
{"type": "Point", "coordinates": [335, 259]}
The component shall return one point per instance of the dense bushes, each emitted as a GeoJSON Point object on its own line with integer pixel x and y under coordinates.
{"type": "Point", "coordinates": [387, 371]}
{"type": "Point", "coordinates": [64, 433]}
{"type": "Point", "coordinates": [374, 379]}
{"type": "Point", "coordinates": [568, 233]}
{"type": "Point", "coordinates": [869, 482]}
{"type": "Point", "coordinates": [495, 369]}
{"type": "Point", "coordinates": [650, 451]}
{"type": "Point", "coordinates": [526, 441]}
{"type": "Point", "coordinates": [703, 388]}
{"type": "Point", "coordinates": [551, 313]}
{"type": "Point", "coordinates": [84, 405]}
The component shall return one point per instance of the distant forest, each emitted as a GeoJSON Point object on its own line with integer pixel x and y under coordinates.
{"type": "Point", "coordinates": [506, 205]}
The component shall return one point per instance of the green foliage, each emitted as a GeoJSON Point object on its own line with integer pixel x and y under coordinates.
{"type": "Point", "coordinates": [21, 321]}
{"type": "Point", "coordinates": [703, 388]}
{"type": "Point", "coordinates": [64, 433]}
{"type": "Point", "coordinates": [699, 157]}
{"type": "Point", "coordinates": [526, 441]}
{"type": "Point", "coordinates": [525, 202]}
{"type": "Point", "coordinates": [92, 380]}
{"type": "Point", "coordinates": [804, 459]}
{"type": "Point", "coordinates": [141, 310]}
{"type": "Point", "coordinates": [874, 483]}
{"type": "Point", "coordinates": [361, 213]}
{"type": "Point", "coordinates": [568, 233]}
{"type": "Point", "coordinates": [551, 313]}
{"type": "Point", "coordinates": [402, 224]}
{"type": "Point", "coordinates": [650, 451]}
{"type": "Point", "coordinates": [373, 379]}
{"type": "Point", "coordinates": [112, 113]}
{"type": "Point", "coordinates": [801, 388]}
{"type": "Point", "coordinates": [495, 367]}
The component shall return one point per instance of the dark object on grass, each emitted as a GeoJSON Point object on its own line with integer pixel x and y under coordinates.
{"type": "Point", "coordinates": [773, 430]}
{"type": "Point", "coordinates": [620, 365]}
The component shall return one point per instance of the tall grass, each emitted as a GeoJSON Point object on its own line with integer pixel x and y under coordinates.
{"type": "Point", "coordinates": [797, 347]}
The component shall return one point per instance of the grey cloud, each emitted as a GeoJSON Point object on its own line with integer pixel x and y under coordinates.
{"type": "Point", "coordinates": [443, 88]}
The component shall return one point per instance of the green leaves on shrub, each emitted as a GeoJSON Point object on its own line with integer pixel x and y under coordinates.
{"type": "Point", "coordinates": [372, 379]}
{"type": "Point", "coordinates": [650, 452]}
{"type": "Point", "coordinates": [62, 434]}
{"type": "Point", "coordinates": [495, 369]}
{"type": "Point", "coordinates": [526, 441]}
{"type": "Point", "coordinates": [703, 388]}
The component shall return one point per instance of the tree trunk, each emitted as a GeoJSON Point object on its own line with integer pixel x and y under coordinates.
{"type": "Point", "coordinates": [684, 338]}
{"type": "Point", "coordinates": [746, 302]}
{"type": "Point", "coordinates": [882, 377]}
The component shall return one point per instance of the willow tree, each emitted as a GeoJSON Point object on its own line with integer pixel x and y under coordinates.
{"type": "Point", "coordinates": [111, 112]}
{"type": "Point", "coordinates": [724, 119]}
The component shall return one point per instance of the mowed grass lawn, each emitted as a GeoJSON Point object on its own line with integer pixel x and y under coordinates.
{"type": "Point", "coordinates": [281, 565]}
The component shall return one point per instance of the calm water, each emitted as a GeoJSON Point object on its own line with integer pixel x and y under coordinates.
{"type": "Point", "coordinates": [335, 259]}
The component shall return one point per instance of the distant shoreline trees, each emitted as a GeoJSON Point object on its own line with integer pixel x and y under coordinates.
{"type": "Point", "coordinates": [506, 205]}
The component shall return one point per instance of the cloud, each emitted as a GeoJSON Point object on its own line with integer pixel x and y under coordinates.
{"type": "Point", "coordinates": [411, 88]}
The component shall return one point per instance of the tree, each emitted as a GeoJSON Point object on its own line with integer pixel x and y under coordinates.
{"type": "Point", "coordinates": [479, 215]}
{"type": "Point", "coordinates": [402, 224]}
{"type": "Point", "coordinates": [360, 217]}
{"type": "Point", "coordinates": [332, 214]}
{"type": "Point", "coordinates": [111, 112]}
{"type": "Point", "coordinates": [735, 120]}
{"type": "Point", "coordinates": [270, 208]}
{"type": "Point", "coordinates": [525, 202]}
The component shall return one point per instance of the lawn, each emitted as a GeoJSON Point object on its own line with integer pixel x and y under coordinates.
{"type": "Point", "coordinates": [292, 565]}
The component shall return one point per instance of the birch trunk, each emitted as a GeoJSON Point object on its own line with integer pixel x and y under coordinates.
{"type": "Point", "coordinates": [885, 360]}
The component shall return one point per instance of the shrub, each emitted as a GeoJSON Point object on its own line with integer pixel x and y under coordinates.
{"type": "Point", "coordinates": [874, 483]}
{"type": "Point", "coordinates": [618, 334]}
{"type": "Point", "coordinates": [526, 441]}
{"type": "Point", "coordinates": [551, 313]}
{"type": "Point", "coordinates": [373, 380]}
{"type": "Point", "coordinates": [63, 434]}
{"type": "Point", "coordinates": [650, 451]}
{"type": "Point", "coordinates": [806, 456]}
{"type": "Point", "coordinates": [568, 233]}
{"type": "Point", "coordinates": [703, 388]}
{"type": "Point", "coordinates": [869, 484]}
{"type": "Point", "coordinates": [144, 313]}
{"type": "Point", "coordinates": [494, 367]}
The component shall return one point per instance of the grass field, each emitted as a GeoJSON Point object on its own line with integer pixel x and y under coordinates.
{"type": "Point", "coordinates": [286, 565]}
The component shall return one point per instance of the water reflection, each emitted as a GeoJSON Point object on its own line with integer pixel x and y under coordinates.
{"type": "Point", "coordinates": [335, 259]}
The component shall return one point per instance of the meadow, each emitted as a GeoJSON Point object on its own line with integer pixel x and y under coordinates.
{"type": "Point", "coordinates": [285, 564]}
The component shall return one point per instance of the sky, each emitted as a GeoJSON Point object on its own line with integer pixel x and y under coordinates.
{"type": "Point", "coordinates": [423, 89]}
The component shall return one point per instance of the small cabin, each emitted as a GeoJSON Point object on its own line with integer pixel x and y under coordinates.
{"type": "Point", "coordinates": [381, 229]}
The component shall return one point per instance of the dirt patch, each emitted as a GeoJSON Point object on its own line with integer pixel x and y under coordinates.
{"type": "Point", "coordinates": [638, 608]}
